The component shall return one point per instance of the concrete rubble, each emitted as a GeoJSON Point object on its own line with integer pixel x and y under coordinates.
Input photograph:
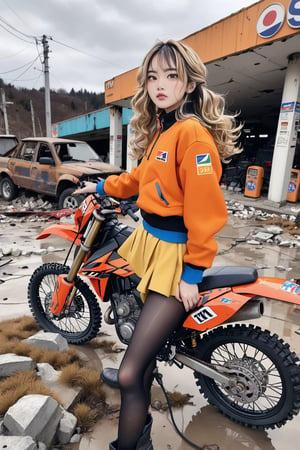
{"type": "Point", "coordinates": [272, 234]}
{"type": "Point", "coordinates": [24, 203]}
{"type": "Point", "coordinates": [36, 421]}
{"type": "Point", "coordinates": [51, 341]}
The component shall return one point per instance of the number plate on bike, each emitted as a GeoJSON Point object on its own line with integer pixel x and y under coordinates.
{"type": "Point", "coordinates": [203, 315]}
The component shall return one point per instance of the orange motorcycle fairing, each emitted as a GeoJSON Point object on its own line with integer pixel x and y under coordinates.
{"type": "Point", "coordinates": [206, 296]}
{"type": "Point", "coordinates": [110, 263]}
{"type": "Point", "coordinates": [99, 286]}
{"type": "Point", "coordinates": [65, 231]}
{"type": "Point", "coordinates": [216, 311]}
{"type": "Point", "coordinates": [59, 298]}
{"type": "Point", "coordinates": [273, 288]}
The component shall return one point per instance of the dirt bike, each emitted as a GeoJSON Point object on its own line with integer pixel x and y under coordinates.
{"type": "Point", "coordinates": [247, 373]}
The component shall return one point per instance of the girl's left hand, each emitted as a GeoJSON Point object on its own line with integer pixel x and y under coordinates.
{"type": "Point", "coordinates": [188, 294]}
{"type": "Point", "coordinates": [88, 188]}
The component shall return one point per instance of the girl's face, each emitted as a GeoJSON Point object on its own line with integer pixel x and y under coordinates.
{"type": "Point", "coordinates": [164, 87]}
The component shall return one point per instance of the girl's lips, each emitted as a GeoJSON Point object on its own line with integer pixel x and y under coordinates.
{"type": "Point", "coordinates": [161, 96]}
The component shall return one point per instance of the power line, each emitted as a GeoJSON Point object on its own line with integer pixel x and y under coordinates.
{"type": "Point", "coordinates": [13, 34]}
{"type": "Point", "coordinates": [87, 54]}
{"type": "Point", "coordinates": [21, 67]}
{"type": "Point", "coordinates": [16, 30]}
{"type": "Point", "coordinates": [26, 79]}
{"type": "Point", "coordinates": [15, 54]}
{"type": "Point", "coordinates": [9, 7]}
{"type": "Point", "coordinates": [26, 70]}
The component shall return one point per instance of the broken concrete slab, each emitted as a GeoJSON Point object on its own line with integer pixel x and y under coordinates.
{"type": "Point", "coordinates": [34, 415]}
{"type": "Point", "coordinates": [51, 341]}
{"type": "Point", "coordinates": [66, 394]}
{"type": "Point", "coordinates": [11, 363]}
{"type": "Point", "coordinates": [263, 236]}
{"type": "Point", "coordinates": [18, 443]}
{"type": "Point", "coordinates": [47, 373]}
{"type": "Point", "coordinates": [66, 427]}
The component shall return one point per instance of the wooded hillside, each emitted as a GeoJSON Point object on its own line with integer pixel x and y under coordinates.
{"type": "Point", "coordinates": [64, 105]}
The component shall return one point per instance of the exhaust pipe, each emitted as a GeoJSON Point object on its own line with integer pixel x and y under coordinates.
{"type": "Point", "coordinates": [251, 310]}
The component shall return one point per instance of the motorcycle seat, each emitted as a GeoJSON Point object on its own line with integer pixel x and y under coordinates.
{"type": "Point", "coordinates": [226, 276]}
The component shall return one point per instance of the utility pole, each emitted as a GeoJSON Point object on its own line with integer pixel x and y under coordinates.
{"type": "Point", "coordinates": [32, 118]}
{"type": "Point", "coordinates": [47, 86]}
{"type": "Point", "coordinates": [3, 109]}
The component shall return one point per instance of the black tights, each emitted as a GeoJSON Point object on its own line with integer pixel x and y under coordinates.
{"type": "Point", "coordinates": [160, 316]}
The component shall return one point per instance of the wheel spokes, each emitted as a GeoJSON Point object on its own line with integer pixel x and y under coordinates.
{"type": "Point", "coordinates": [254, 372]}
{"type": "Point", "coordinates": [76, 319]}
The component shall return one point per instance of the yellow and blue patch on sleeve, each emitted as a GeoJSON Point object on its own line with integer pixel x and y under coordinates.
{"type": "Point", "coordinates": [203, 164]}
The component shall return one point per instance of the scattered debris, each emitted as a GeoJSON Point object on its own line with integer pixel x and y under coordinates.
{"type": "Point", "coordinates": [262, 236]}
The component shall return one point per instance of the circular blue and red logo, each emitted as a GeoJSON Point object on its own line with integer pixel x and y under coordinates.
{"type": "Point", "coordinates": [271, 20]}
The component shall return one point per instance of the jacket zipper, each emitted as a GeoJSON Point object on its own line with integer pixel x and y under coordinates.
{"type": "Point", "coordinates": [154, 143]}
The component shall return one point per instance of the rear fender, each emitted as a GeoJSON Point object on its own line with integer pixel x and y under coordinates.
{"type": "Point", "coordinates": [273, 288]}
{"type": "Point", "coordinates": [65, 231]}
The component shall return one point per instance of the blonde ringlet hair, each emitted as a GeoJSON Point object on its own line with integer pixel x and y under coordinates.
{"type": "Point", "coordinates": [208, 107]}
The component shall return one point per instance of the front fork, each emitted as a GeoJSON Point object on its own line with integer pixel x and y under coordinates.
{"type": "Point", "coordinates": [65, 289]}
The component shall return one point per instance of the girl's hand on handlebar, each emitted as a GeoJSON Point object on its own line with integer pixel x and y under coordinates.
{"type": "Point", "coordinates": [88, 188]}
{"type": "Point", "coordinates": [188, 294]}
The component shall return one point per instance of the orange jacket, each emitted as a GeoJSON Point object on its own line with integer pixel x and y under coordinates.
{"type": "Point", "coordinates": [179, 176]}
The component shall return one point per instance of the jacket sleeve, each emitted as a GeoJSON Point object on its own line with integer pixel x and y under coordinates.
{"type": "Point", "coordinates": [122, 186]}
{"type": "Point", "coordinates": [205, 211]}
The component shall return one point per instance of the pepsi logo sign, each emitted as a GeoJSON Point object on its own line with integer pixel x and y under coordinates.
{"type": "Point", "coordinates": [270, 21]}
{"type": "Point", "coordinates": [272, 18]}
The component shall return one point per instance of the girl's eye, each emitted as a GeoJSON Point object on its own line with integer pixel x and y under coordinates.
{"type": "Point", "coordinates": [151, 78]}
{"type": "Point", "coordinates": [173, 75]}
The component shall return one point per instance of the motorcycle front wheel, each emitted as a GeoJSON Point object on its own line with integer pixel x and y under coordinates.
{"type": "Point", "coordinates": [265, 388]}
{"type": "Point", "coordinates": [80, 322]}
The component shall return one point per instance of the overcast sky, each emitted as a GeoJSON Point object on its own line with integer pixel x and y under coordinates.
{"type": "Point", "coordinates": [92, 41]}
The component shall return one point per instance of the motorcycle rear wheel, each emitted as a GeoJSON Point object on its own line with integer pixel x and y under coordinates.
{"type": "Point", "coordinates": [80, 323]}
{"type": "Point", "coordinates": [268, 375]}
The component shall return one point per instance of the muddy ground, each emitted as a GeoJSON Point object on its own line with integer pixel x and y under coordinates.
{"type": "Point", "coordinates": [198, 421]}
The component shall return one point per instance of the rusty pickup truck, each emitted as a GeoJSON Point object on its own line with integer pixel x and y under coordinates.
{"type": "Point", "coordinates": [51, 166]}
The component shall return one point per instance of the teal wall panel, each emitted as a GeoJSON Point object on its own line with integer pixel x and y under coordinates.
{"type": "Point", "coordinates": [96, 120]}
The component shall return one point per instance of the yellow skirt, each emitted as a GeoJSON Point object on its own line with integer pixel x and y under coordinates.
{"type": "Point", "coordinates": [159, 264]}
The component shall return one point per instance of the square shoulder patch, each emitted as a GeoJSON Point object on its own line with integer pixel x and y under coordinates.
{"type": "Point", "coordinates": [162, 156]}
{"type": "Point", "coordinates": [203, 164]}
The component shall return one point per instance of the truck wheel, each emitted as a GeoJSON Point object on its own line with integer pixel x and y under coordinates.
{"type": "Point", "coordinates": [69, 201]}
{"type": "Point", "coordinates": [8, 189]}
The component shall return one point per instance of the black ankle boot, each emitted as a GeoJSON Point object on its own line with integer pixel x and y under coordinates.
{"type": "Point", "coordinates": [145, 442]}
{"type": "Point", "coordinates": [110, 377]}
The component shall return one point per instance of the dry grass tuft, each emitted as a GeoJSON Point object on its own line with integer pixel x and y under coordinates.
{"type": "Point", "coordinates": [106, 346]}
{"type": "Point", "coordinates": [16, 329]}
{"type": "Point", "coordinates": [92, 395]}
{"type": "Point", "coordinates": [88, 380]}
{"type": "Point", "coordinates": [177, 399]}
{"type": "Point", "coordinates": [40, 355]}
{"type": "Point", "coordinates": [18, 385]}
{"type": "Point", "coordinates": [86, 416]}
{"type": "Point", "coordinates": [59, 359]}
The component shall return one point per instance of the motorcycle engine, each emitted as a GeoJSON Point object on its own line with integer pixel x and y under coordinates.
{"type": "Point", "coordinates": [127, 309]}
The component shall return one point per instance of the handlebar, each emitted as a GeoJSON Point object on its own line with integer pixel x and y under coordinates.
{"type": "Point", "coordinates": [131, 214]}
{"type": "Point", "coordinates": [109, 204]}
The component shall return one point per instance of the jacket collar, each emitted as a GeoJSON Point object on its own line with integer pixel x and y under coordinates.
{"type": "Point", "coordinates": [167, 119]}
